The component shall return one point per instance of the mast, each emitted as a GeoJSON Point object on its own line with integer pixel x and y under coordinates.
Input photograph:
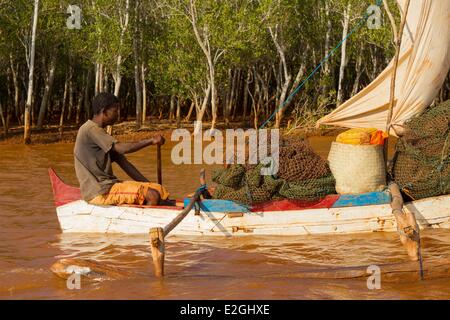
{"type": "Point", "coordinates": [398, 38]}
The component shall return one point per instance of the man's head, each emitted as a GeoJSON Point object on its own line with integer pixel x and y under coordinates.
{"type": "Point", "coordinates": [105, 107]}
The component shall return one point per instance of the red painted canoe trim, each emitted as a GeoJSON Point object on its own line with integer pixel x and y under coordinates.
{"type": "Point", "coordinates": [143, 206]}
{"type": "Point", "coordinates": [62, 193]}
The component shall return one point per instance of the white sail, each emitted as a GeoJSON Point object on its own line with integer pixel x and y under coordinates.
{"type": "Point", "coordinates": [423, 66]}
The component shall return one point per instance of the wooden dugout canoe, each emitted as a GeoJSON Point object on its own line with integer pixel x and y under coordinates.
{"type": "Point", "coordinates": [332, 215]}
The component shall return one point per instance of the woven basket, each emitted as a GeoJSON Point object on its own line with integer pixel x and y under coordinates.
{"type": "Point", "coordinates": [357, 168]}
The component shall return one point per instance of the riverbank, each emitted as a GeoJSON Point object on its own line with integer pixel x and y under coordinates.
{"type": "Point", "coordinates": [126, 132]}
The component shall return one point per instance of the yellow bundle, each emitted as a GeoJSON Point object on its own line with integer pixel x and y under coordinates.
{"type": "Point", "coordinates": [357, 136]}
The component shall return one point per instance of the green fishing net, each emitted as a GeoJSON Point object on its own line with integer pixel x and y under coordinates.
{"type": "Point", "coordinates": [302, 175]}
{"type": "Point", "coordinates": [421, 162]}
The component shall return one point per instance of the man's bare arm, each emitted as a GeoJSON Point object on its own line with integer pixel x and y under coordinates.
{"type": "Point", "coordinates": [130, 147]}
{"type": "Point", "coordinates": [130, 169]}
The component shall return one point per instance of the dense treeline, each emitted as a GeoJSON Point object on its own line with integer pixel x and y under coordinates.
{"type": "Point", "coordinates": [234, 60]}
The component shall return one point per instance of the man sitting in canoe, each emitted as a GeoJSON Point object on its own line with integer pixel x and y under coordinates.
{"type": "Point", "coordinates": [95, 151]}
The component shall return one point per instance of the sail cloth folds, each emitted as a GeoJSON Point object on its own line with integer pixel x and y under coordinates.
{"type": "Point", "coordinates": [422, 68]}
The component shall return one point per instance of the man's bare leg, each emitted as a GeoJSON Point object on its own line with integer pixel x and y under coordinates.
{"type": "Point", "coordinates": [152, 197]}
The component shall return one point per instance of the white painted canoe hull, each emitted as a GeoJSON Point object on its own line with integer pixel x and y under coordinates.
{"type": "Point", "coordinates": [79, 216]}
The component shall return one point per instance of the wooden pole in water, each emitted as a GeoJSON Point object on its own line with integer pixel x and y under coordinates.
{"type": "Point", "coordinates": [172, 224]}
{"type": "Point", "coordinates": [157, 235]}
{"type": "Point", "coordinates": [158, 250]}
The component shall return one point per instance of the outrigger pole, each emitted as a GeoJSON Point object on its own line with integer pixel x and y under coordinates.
{"type": "Point", "coordinates": [157, 235]}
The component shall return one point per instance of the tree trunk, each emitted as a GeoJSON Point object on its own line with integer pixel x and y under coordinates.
{"type": "Point", "coordinates": [117, 76]}
{"type": "Point", "coordinates": [358, 71]}
{"type": "Point", "coordinates": [326, 65]}
{"type": "Point", "coordinates": [9, 99]}
{"type": "Point", "coordinates": [228, 97]}
{"type": "Point", "coordinates": [64, 102]}
{"type": "Point", "coordinates": [105, 80]}
{"type": "Point", "coordinates": [231, 103]}
{"type": "Point", "coordinates": [98, 77]}
{"type": "Point", "coordinates": [206, 48]}
{"type": "Point", "coordinates": [391, 20]}
{"type": "Point", "coordinates": [200, 111]}
{"type": "Point", "coordinates": [178, 113]}
{"type": "Point", "coordinates": [191, 108]}
{"type": "Point", "coordinates": [137, 66]}
{"type": "Point", "coordinates": [237, 93]}
{"type": "Point", "coordinates": [213, 96]}
{"type": "Point", "coordinates": [117, 82]}
{"type": "Point", "coordinates": [265, 83]}
{"type": "Point", "coordinates": [81, 97]}
{"type": "Point", "coordinates": [4, 122]}
{"type": "Point", "coordinates": [280, 103]}
{"type": "Point", "coordinates": [87, 104]}
{"type": "Point", "coordinates": [49, 78]}
{"type": "Point", "coordinates": [256, 100]}
{"type": "Point", "coordinates": [71, 92]}
{"type": "Point", "coordinates": [144, 94]}
{"type": "Point", "coordinates": [172, 107]}
{"type": "Point", "coordinates": [285, 82]}
{"type": "Point", "coordinates": [79, 105]}
{"type": "Point", "coordinates": [340, 93]}
{"type": "Point", "coordinates": [14, 70]}
{"type": "Point", "coordinates": [299, 76]}
{"type": "Point", "coordinates": [246, 92]}
{"type": "Point", "coordinates": [374, 58]}
{"type": "Point", "coordinates": [28, 105]}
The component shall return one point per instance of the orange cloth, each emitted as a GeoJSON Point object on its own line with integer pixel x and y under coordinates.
{"type": "Point", "coordinates": [378, 137]}
{"type": "Point", "coordinates": [129, 192]}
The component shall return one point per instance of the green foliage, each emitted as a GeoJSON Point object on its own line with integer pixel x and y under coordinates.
{"type": "Point", "coordinates": [237, 34]}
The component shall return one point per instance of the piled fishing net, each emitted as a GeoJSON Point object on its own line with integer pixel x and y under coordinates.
{"type": "Point", "coordinates": [421, 162]}
{"type": "Point", "coordinates": [302, 175]}
{"type": "Point", "coordinates": [300, 162]}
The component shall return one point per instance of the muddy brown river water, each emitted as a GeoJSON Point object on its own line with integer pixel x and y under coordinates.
{"type": "Point", "coordinates": [196, 268]}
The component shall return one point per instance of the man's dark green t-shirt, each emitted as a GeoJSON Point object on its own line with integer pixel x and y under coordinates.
{"type": "Point", "coordinates": [93, 160]}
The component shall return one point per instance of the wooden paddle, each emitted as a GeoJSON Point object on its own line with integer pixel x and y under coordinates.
{"type": "Point", "coordinates": [158, 164]}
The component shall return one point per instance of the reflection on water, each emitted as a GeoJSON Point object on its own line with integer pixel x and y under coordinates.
{"type": "Point", "coordinates": [196, 267]}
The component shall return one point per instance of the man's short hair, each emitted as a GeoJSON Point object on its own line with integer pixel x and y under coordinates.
{"type": "Point", "coordinates": [103, 101]}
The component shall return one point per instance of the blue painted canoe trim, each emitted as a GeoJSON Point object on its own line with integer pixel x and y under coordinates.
{"type": "Point", "coordinates": [345, 200]}
{"type": "Point", "coordinates": [364, 199]}
{"type": "Point", "coordinates": [218, 205]}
